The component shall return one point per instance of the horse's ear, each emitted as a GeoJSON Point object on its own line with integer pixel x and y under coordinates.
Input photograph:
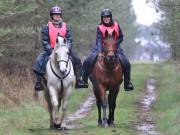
{"type": "Point", "coordinates": [106, 33]}
{"type": "Point", "coordinates": [113, 34]}
{"type": "Point", "coordinates": [57, 37]}
{"type": "Point", "coordinates": [56, 40]}
{"type": "Point", "coordinates": [64, 41]}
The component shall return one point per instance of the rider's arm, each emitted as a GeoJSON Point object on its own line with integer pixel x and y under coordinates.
{"type": "Point", "coordinates": [99, 40]}
{"type": "Point", "coordinates": [120, 38]}
{"type": "Point", "coordinates": [45, 40]}
{"type": "Point", "coordinates": [69, 37]}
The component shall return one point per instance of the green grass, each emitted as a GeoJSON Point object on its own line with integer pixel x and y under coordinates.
{"type": "Point", "coordinates": [33, 119]}
{"type": "Point", "coordinates": [167, 108]}
{"type": "Point", "coordinates": [77, 97]}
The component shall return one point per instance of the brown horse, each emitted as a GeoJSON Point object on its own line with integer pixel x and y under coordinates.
{"type": "Point", "coordinates": [106, 76]}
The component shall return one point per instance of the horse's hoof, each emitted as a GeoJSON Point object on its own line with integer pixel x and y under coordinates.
{"type": "Point", "coordinates": [112, 125]}
{"type": "Point", "coordinates": [57, 126]}
{"type": "Point", "coordinates": [105, 125]}
{"type": "Point", "coordinates": [52, 127]}
{"type": "Point", "coordinates": [99, 123]}
{"type": "Point", "coordinates": [64, 129]}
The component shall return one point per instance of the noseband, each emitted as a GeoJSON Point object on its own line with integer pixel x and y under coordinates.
{"type": "Point", "coordinates": [67, 63]}
{"type": "Point", "coordinates": [110, 57]}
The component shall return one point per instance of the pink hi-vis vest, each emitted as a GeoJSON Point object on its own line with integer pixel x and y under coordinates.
{"type": "Point", "coordinates": [110, 30]}
{"type": "Point", "coordinates": [53, 32]}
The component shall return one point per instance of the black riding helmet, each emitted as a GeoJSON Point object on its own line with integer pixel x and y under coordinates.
{"type": "Point", "coordinates": [106, 13]}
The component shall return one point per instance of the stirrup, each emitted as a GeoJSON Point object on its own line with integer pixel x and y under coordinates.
{"type": "Point", "coordinates": [38, 86]}
{"type": "Point", "coordinates": [79, 84]}
{"type": "Point", "coordinates": [85, 84]}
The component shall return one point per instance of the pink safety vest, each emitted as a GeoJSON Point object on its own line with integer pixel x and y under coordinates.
{"type": "Point", "coordinates": [53, 32]}
{"type": "Point", "coordinates": [114, 27]}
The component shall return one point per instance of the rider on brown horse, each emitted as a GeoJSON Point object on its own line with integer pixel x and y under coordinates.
{"type": "Point", "coordinates": [107, 24]}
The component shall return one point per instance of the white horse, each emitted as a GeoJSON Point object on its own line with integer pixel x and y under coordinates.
{"type": "Point", "coordinates": [60, 82]}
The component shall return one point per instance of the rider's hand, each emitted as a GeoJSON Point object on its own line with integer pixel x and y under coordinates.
{"type": "Point", "coordinates": [49, 51]}
{"type": "Point", "coordinates": [100, 54]}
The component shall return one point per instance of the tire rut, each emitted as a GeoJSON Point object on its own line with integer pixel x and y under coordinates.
{"type": "Point", "coordinates": [145, 124]}
{"type": "Point", "coordinates": [84, 109]}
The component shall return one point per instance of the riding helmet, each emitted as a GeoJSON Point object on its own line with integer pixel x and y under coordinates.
{"type": "Point", "coordinates": [55, 10]}
{"type": "Point", "coordinates": [106, 13]}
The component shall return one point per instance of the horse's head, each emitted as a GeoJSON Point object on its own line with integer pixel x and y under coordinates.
{"type": "Point", "coordinates": [61, 51]}
{"type": "Point", "coordinates": [110, 49]}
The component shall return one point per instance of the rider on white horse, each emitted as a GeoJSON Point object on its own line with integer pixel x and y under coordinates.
{"type": "Point", "coordinates": [60, 83]}
{"type": "Point", "coordinates": [49, 35]}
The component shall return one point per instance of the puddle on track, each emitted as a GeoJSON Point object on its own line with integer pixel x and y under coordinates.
{"type": "Point", "coordinates": [82, 112]}
{"type": "Point", "coordinates": [145, 124]}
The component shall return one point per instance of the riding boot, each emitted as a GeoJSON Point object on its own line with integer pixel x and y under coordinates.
{"type": "Point", "coordinates": [86, 71]}
{"type": "Point", "coordinates": [79, 83]}
{"type": "Point", "coordinates": [128, 86]}
{"type": "Point", "coordinates": [38, 84]}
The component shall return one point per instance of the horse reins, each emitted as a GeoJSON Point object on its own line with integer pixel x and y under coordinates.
{"type": "Point", "coordinates": [65, 62]}
{"type": "Point", "coordinates": [61, 78]}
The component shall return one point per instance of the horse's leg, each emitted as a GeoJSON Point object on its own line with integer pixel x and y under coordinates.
{"type": "Point", "coordinates": [98, 103]}
{"type": "Point", "coordinates": [49, 105]}
{"type": "Point", "coordinates": [112, 105]}
{"type": "Point", "coordinates": [66, 96]}
{"type": "Point", "coordinates": [102, 91]}
{"type": "Point", "coordinates": [54, 101]}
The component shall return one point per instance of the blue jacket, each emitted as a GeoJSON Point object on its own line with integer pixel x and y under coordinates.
{"type": "Point", "coordinates": [99, 39]}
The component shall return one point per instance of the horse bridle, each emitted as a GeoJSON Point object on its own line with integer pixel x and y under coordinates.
{"type": "Point", "coordinates": [106, 51]}
{"type": "Point", "coordinates": [67, 62]}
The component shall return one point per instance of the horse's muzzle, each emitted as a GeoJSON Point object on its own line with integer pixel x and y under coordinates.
{"type": "Point", "coordinates": [110, 59]}
{"type": "Point", "coordinates": [63, 71]}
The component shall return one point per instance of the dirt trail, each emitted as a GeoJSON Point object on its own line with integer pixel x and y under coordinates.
{"type": "Point", "coordinates": [82, 112]}
{"type": "Point", "coordinates": [145, 124]}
